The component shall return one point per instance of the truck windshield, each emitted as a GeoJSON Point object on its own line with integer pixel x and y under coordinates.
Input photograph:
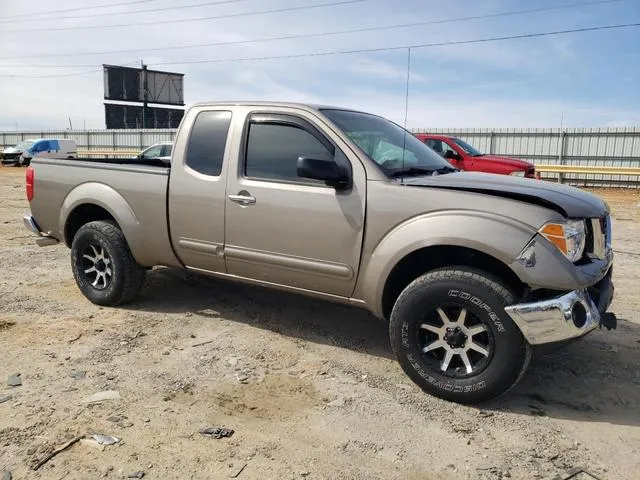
{"type": "Point", "coordinates": [468, 149]}
{"type": "Point", "coordinates": [394, 149]}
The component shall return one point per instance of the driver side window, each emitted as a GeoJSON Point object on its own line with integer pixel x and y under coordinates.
{"type": "Point", "coordinates": [439, 146]}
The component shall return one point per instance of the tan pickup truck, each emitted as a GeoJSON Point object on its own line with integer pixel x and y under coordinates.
{"type": "Point", "coordinates": [471, 270]}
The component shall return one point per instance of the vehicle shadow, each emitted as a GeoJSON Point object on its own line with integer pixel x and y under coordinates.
{"type": "Point", "coordinates": [596, 379]}
{"type": "Point", "coordinates": [177, 291]}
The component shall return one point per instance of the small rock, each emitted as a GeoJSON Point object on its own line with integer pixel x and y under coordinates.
{"type": "Point", "coordinates": [6, 475]}
{"type": "Point", "coordinates": [305, 473]}
{"type": "Point", "coordinates": [146, 420]}
{"type": "Point", "coordinates": [67, 358]}
{"type": "Point", "coordinates": [126, 424]}
{"type": "Point", "coordinates": [216, 432]}
{"type": "Point", "coordinates": [111, 377]}
{"type": "Point", "coordinates": [484, 413]}
{"type": "Point", "coordinates": [14, 380]}
{"type": "Point", "coordinates": [451, 466]}
{"type": "Point", "coordinates": [192, 336]}
{"type": "Point", "coordinates": [31, 450]}
{"type": "Point", "coordinates": [5, 398]}
{"type": "Point", "coordinates": [139, 474]}
{"type": "Point", "coordinates": [114, 419]}
{"type": "Point", "coordinates": [242, 378]}
{"type": "Point", "coordinates": [166, 352]}
{"type": "Point", "coordinates": [105, 439]}
{"type": "Point", "coordinates": [233, 361]}
{"type": "Point", "coordinates": [78, 375]}
{"type": "Point", "coordinates": [102, 396]}
{"type": "Point", "coordinates": [90, 442]}
{"type": "Point", "coordinates": [338, 402]}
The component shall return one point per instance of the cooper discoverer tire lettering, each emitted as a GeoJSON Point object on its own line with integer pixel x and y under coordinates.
{"type": "Point", "coordinates": [452, 337]}
{"type": "Point", "coordinates": [103, 266]}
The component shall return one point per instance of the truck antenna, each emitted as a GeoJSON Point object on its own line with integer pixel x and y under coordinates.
{"type": "Point", "coordinates": [406, 109]}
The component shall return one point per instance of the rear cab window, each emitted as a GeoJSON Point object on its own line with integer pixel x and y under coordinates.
{"type": "Point", "coordinates": [207, 142]}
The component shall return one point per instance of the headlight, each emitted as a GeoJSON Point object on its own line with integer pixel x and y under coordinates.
{"type": "Point", "coordinates": [569, 237]}
{"type": "Point", "coordinates": [518, 173]}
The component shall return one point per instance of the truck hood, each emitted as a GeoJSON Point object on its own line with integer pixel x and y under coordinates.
{"type": "Point", "coordinates": [569, 201]}
{"type": "Point", "coordinates": [512, 162]}
{"type": "Point", "coordinates": [11, 150]}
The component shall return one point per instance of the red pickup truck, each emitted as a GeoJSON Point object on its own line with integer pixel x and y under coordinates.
{"type": "Point", "coordinates": [463, 156]}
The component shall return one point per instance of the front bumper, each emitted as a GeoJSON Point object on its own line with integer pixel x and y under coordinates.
{"type": "Point", "coordinates": [43, 239]}
{"type": "Point", "coordinates": [566, 317]}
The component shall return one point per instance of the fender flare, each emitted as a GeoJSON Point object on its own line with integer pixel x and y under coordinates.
{"type": "Point", "coordinates": [106, 197]}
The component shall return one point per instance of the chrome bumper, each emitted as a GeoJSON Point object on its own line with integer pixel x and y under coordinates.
{"type": "Point", "coordinates": [563, 318]}
{"type": "Point", "coordinates": [43, 240]}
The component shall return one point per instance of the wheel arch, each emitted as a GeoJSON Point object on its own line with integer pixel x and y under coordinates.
{"type": "Point", "coordinates": [476, 239]}
{"type": "Point", "coordinates": [426, 259]}
{"type": "Point", "coordinates": [94, 201]}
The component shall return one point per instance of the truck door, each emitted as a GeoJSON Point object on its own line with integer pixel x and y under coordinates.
{"type": "Point", "coordinates": [197, 189]}
{"type": "Point", "coordinates": [288, 230]}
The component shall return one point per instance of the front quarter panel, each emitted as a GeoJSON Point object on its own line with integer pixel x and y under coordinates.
{"type": "Point", "coordinates": [500, 237]}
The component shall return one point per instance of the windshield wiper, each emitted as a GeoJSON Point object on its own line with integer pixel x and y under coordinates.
{"type": "Point", "coordinates": [403, 172]}
{"type": "Point", "coordinates": [446, 169]}
{"type": "Point", "coordinates": [421, 171]}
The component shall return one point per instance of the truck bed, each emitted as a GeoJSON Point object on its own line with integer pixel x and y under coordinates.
{"type": "Point", "coordinates": [125, 161]}
{"type": "Point", "coordinates": [137, 195]}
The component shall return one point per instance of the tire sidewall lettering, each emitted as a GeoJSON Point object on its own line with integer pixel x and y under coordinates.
{"type": "Point", "coordinates": [444, 385]}
{"type": "Point", "coordinates": [481, 304]}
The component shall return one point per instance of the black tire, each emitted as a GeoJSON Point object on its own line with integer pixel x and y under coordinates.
{"type": "Point", "coordinates": [104, 240]}
{"type": "Point", "coordinates": [22, 162]}
{"type": "Point", "coordinates": [505, 355]}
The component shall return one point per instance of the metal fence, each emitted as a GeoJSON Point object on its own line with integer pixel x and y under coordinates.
{"type": "Point", "coordinates": [596, 147]}
{"type": "Point", "coordinates": [614, 147]}
{"type": "Point", "coordinates": [96, 139]}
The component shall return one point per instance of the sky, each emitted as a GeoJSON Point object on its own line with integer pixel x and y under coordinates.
{"type": "Point", "coordinates": [589, 79]}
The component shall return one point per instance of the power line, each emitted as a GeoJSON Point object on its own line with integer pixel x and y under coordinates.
{"type": "Point", "coordinates": [316, 34]}
{"type": "Point", "coordinates": [49, 12]}
{"type": "Point", "coordinates": [131, 12]}
{"type": "Point", "coordinates": [196, 19]}
{"type": "Point", "coordinates": [403, 47]}
{"type": "Point", "coordinates": [379, 49]}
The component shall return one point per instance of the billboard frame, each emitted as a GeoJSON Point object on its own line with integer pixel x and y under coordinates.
{"type": "Point", "coordinates": [144, 72]}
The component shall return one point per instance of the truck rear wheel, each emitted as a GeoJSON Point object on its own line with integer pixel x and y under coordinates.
{"type": "Point", "coordinates": [103, 266]}
{"type": "Point", "coordinates": [452, 337]}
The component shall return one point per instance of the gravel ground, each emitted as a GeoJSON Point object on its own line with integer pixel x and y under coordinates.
{"type": "Point", "coordinates": [310, 389]}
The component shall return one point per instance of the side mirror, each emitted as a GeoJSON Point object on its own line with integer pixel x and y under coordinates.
{"type": "Point", "coordinates": [451, 155]}
{"type": "Point", "coordinates": [325, 169]}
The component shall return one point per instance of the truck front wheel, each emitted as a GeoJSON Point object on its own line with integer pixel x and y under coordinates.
{"type": "Point", "coordinates": [452, 337]}
{"type": "Point", "coordinates": [103, 266]}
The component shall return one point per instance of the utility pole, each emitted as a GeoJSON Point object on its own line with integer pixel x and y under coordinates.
{"type": "Point", "coordinates": [145, 88]}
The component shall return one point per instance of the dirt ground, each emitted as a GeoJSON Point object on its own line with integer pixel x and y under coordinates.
{"type": "Point", "coordinates": [310, 389]}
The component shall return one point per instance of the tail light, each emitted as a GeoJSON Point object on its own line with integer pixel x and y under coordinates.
{"type": "Point", "coordinates": [30, 178]}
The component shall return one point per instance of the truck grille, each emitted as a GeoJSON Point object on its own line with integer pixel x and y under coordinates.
{"type": "Point", "coordinates": [598, 236]}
